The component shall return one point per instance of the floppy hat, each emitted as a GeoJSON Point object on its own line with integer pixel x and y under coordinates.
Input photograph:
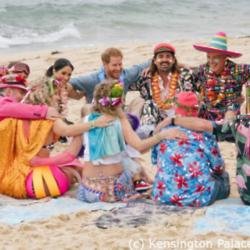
{"type": "Point", "coordinates": [218, 44]}
{"type": "Point", "coordinates": [164, 47]}
{"type": "Point", "coordinates": [187, 103]}
{"type": "Point", "coordinates": [13, 81]}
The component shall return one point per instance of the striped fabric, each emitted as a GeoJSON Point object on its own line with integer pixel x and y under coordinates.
{"type": "Point", "coordinates": [219, 41]}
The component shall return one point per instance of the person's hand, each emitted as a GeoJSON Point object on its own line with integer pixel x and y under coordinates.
{"type": "Point", "coordinates": [172, 133]}
{"type": "Point", "coordinates": [145, 73]}
{"type": "Point", "coordinates": [164, 123]}
{"type": "Point", "coordinates": [52, 114]}
{"type": "Point", "coordinates": [103, 121]}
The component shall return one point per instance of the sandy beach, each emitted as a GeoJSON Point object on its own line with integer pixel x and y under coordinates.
{"type": "Point", "coordinates": [78, 231]}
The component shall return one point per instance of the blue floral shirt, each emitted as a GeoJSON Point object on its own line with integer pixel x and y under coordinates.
{"type": "Point", "coordinates": [184, 169]}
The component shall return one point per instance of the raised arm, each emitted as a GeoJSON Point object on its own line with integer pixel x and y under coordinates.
{"type": "Point", "coordinates": [10, 108]}
{"type": "Point", "coordinates": [83, 85]}
{"type": "Point", "coordinates": [133, 139]}
{"type": "Point", "coordinates": [62, 129]}
{"type": "Point", "coordinates": [133, 73]}
{"type": "Point", "coordinates": [193, 123]}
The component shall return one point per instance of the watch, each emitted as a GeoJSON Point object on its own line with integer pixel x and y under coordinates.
{"type": "Point", "coordinates": [173, 121]}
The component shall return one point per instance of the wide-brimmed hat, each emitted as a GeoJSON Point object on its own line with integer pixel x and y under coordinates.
{"type": "Point", "coordinates": [186, 103]}
{"type": "Point", "coordinates": [218, 44]}
{"type": "Point", "coordinates": [164, 47]}
{"type": "Point", "coordinates": [13, 81]}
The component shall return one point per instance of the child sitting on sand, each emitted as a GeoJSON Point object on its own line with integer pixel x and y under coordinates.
{"type": "Point", "coordinates": [107, 175]}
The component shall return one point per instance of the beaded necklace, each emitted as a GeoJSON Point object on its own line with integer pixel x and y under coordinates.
{"type": "Point", "coordinates": [215, 88]}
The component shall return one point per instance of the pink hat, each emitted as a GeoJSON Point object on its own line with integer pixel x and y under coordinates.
{"type": "Point", "coordinates": [187, 104]}
{"type": "Point", "coordinates": [164, 47]}
{"type": "Point", "coordinates": [218, 44]}
{"type": "Point", "coordinates": [13, 81]}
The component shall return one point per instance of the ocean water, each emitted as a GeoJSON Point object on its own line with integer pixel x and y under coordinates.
{"type": "Point", "coordinates": [32, 24]}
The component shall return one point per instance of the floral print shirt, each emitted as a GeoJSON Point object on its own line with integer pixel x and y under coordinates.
{"type": "Point", "coordinates": [184, 169]}
{"type": "Point", "coordinates": [219, 92]}
{"type": "Point", "coordinates": [241, 131]}
{"type": "Point", "coordinates": [151, 114]}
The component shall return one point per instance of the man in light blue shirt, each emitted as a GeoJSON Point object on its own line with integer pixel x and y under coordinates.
{"type": "Point", "coordinates": [112, 69]}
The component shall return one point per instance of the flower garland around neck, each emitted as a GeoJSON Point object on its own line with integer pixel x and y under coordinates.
{"type": "Point", "coordinates": [213, 84]}
{"type": "Point", "coordinates": [156, 92]}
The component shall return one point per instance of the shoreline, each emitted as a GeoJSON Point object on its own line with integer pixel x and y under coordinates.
{"type": "Point", "coordinates": [87, 59]}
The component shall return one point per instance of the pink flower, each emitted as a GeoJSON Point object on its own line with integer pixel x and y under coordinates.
{"type": "Point", "coordinates": [241, 182]}
{"type": "Point", "coordinates": [194, 169]}
{"type": "Point", "coordinates": [246, 169]}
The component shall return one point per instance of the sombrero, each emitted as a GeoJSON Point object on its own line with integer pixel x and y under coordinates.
{"type": "Point", "coordinates": [218, 44]}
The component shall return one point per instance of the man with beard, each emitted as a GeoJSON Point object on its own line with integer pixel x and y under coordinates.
{"type": "Point", "coordinates": [159, 87]}
{"type": "Point", "coordinates": [112, 69]}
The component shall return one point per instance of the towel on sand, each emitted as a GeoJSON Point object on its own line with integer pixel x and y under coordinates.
{"type": "Point", "coordinates": [14, 211]}
{"type": "Point", "coordinates": [229, 216]}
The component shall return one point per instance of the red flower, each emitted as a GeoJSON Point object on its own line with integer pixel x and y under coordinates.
{"type": "Point", "coordinates": [218, 169]}
{"type": "Point", "coordinates": [194, 169]}
{"type": "Point", "coordinates": [181, 181]}
{"type": "Point", "coordinates": [196, 203]}
{"type": "Point", "coordinates": [201, 152]}
{"type": "Point", "coordinates": [211, 83]}
{"type": "Point", "coordinates": [183, 142]}
{"type": "Point", "coordinates": [20, 78]}
{"type": "Point", "coordinates": [200, 188]}
{"type": "Point", "coordinates": [214, 151]}
{"type": "Point", "coordinates": [175, 199]}
{"type": "Point", "coordinates": [163, 147]}
{"type": "Point", "coordinates": [161, 187]}
{"type": "Point", "coordinates": [176, 158]}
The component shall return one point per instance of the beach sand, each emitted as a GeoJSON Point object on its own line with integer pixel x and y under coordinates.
{"type": "Point", "coordinates": [77, 231]}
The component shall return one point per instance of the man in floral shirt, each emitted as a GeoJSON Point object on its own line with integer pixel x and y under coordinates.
{"type": "Point", "coordinates": [159, 86]}
{"type": "Point", "coordinates": [189, 172]}
{"type": "Point", "coordinates": [220, 80]}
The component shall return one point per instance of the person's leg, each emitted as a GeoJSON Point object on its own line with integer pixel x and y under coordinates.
{"type": "Point", "coordinates": [222, 187]}
{"type": "Point", "coordinates": [245, 193]}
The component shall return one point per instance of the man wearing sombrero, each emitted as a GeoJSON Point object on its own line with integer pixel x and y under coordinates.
{"type": "Point", "coordinates": [220, 80]}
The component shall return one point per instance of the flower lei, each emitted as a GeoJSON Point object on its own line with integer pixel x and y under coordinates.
{"type": "Point", "coordinates": [156, 92]}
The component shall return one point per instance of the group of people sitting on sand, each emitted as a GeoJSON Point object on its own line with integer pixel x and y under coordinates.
{"type": "Point", "coordinates": [180, 115]}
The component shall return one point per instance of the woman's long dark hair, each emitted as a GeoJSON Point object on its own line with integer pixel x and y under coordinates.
{"type": "Point", "coordinates": [58, 65]}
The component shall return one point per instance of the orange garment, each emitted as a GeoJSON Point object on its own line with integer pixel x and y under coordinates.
{"type": "Point", "coordinates": [17, 150]}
